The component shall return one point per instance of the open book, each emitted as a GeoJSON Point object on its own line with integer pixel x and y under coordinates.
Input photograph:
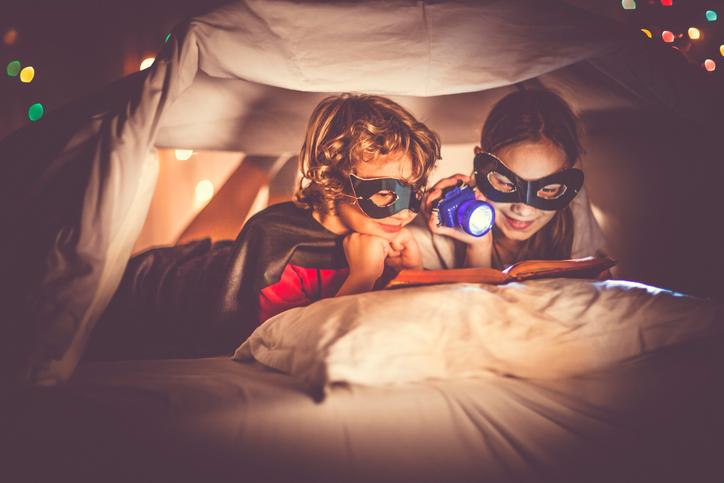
{"type": "Point", "coordinates": [589, 267]}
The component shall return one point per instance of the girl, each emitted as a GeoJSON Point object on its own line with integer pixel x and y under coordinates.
{"type": "Point", "coordinates": [363, 162]}
{"type": "Point", "coordinates": [525, 167]}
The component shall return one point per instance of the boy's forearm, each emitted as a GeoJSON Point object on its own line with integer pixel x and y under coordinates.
{"type": "Point", "coordinates": [354, 285]}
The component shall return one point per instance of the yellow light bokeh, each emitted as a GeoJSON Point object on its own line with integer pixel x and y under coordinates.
{"type": "Point", "coordinates": [721, 49]}
{"type": "Point", "coordinates": [694, 33]}
{"type": "Point", "coordinates": [183, 154]}
{"type": "Point", "coordinates": [203, 193]}
{"type": "Point", "coordinates": [27, 74]}
{"type": "Point", "coordinates": [647, 32]}
{"type": "Point", "coordinates": [147, 62]}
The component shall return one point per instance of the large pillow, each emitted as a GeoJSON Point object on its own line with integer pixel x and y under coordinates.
{"type": "Point", "coordinates": [538, 329]}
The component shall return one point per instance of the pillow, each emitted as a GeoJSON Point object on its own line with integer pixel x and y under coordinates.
{"type": "Point", "coordinates": [537, 329]}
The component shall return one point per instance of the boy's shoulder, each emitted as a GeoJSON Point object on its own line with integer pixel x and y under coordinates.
{"type": "Point", "coordinates": [284, 218]}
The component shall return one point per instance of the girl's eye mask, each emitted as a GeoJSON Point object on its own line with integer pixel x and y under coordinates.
{"type": "Point", "coordinates": [499, 183]}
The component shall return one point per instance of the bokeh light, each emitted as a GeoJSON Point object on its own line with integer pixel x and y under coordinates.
{"type": "Point", "coordinates": [183, 154]}
{"type": "Point", "coordinates": [667, 36]}
{"type": "Point", "coordinates": [628, 4]}
{"type": "Point", "coordinates": [203, 193]}
{"type": "Point", "coordinates": [147, 62]}
{"type": "Point", "coordinates": [36, 112]}
{"type": "Point", "coordinates": [10, 37]}
{"type": "Point", "coordinates": [711, 15]}
{"type": "Point", "coordinates": [27, 74]}
{"type": "Point", "coordinates": [167, 38]}
{"type": "Point", "coordinates": [667, 3]}
{"type": "Point", "coordinates": [721, 49]}
{"type": "Point", "coordinates": [13, 68]}
{"type": "Point", "coordinates": [710, 65]}
{"type": "Point", "coordinates": [647, 33]}
{"type": "Point", "coordinates": [694, 33]}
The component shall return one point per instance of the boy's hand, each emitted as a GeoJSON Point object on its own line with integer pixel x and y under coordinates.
{"type": "Point", "coordinates": [365, 256]}
{"type": "Point", "coordinates": [404, 253]}
{"type": "Point", "coordinates": [483, 242]}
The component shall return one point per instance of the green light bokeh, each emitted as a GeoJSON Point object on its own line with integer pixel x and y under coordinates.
{"type": "Point", "coordinates": [711, 15]}
{"type": "Point", "coordinates": [168, 37]}
{"type": "Point", "coordinates": [13, 68]}
{"type": "Point", "coordinates": [36, 111]}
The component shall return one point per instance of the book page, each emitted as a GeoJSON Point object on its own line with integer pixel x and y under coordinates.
{"type": "Point", "coordinates": [588, 267]}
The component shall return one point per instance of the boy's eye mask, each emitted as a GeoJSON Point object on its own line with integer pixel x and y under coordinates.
{"type": "Point", "coordinates": [499, 183]}
{"type": "Point", "coordinates": [382, 197]}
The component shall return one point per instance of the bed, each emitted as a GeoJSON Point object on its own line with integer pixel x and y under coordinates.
{"type": "Point", "coordinates": [652, 417]}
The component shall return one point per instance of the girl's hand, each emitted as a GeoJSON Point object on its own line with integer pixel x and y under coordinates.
{"type": "Point", "coordinates": [457, 233]}
{"type": "Point", "coordinates": [405, 253]}
{"type": "Point", "coordinates": [366, 258]}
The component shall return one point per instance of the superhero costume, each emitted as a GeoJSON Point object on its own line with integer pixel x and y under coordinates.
{"type": "Point", "coordinates": [204, 298]}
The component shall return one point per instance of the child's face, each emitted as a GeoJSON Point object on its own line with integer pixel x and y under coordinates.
{"type": "Point", "coordinates": [394, 165]}
{"type": "Point", "coordinates": [529, 160]}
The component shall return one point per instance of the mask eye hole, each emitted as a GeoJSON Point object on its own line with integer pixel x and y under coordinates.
{"type": "Point", "coordinates": [500, 182]}
{"type": "Point", "coordinates": [383, 198]}
{"type": "Point", "coordinates": [552, 191]}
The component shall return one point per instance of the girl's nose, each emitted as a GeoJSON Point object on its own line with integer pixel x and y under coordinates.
{"type": "Point", "coordinates": [522, 209]}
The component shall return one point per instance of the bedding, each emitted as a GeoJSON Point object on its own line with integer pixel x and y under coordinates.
{"type": "Point", "coordinates": [537, 329]}
{"type": "Point", "coordinates": [655, 418]}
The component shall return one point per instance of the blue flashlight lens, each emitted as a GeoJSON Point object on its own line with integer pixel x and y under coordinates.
{"type": "Point", "coordinates": [476, 217]}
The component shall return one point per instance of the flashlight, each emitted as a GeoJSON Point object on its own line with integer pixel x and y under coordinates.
{"type": "Point", "coordinates": [458, 207]}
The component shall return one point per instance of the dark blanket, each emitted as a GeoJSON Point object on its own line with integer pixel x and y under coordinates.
{"type": "Point", "coordinates": [201, 298]}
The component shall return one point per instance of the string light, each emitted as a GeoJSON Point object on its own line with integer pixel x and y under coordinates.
{"type": "Point", "coordinates": [27, 74]}
{"type": "Point", "coordinates": [667, 36]}
{"type": "Point", "coordinates": [667, 3]}
{"type": "Point", "coordinates": [36, 112]}
{"type": "Point", "coordinates": [203, 193]}
{"type": "Point", "coordinates": [10, 36]}
{"type": "Point", "coordinates": [183, 154]}
{"type": "Point", "coordinates": [147, 62]}
{"type": "Point", "coordinates": [711, 15]}
{"type": "Point", "coordinates": [13, 68]}
{"type": "Point", "coordinates": [167, 38]}
{"type": "Point", "coordinates": [721, 50]}
{"type": "Point", "coordinates": [710, 65]}
{"type": "Point", "coordinates": [647, 33]}
{"type": "Point", "coordinates": [628, 4]}
{"type": "Point", "coordinates": [694, 33]}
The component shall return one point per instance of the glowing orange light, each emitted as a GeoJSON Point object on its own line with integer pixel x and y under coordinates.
{"type": "Point", "coordinates": [721, 49]}
{"type": "Point", "coordinates": [694, 33]}
{"type": "Point", "coordinates": [667, 36]}
{"type": "Point", "coordinates": [10, 37]}
{"type": "Point", "coordinates": [710, 65]}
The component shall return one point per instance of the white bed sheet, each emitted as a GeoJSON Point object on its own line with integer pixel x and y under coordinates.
{"type": "Point", "coordinates": [656, 418]}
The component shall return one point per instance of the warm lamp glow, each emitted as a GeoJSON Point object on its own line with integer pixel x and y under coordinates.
{"type": "Point", "coordinates": [183, 154]}
{"type": "Point", "coordinates": [27, 74]}
{"type": "Point", "coordinates": [147, 62]}
{"type": "Point", "coordinates": [694, 33]}
{"type": "Point", "coordinates": [203, 193]}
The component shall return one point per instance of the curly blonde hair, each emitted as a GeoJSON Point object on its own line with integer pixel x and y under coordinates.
{"type": "Point", "coordinates": [347, 129]}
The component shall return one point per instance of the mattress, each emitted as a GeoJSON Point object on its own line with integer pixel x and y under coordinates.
{"type": "Point", "coordinates": [655, 418]}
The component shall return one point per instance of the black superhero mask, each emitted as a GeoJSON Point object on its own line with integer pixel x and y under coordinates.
{"type": "Point", "coordinates": [499, 183]}
{"type": "Point", "coordinates": [383, 197]}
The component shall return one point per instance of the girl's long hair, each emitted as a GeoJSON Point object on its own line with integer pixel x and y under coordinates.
{"type": "Point", "coordinates": [534, 116]}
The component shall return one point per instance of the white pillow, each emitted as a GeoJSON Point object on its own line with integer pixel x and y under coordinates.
{"type": "Point", "coordinates": [538, 329]}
